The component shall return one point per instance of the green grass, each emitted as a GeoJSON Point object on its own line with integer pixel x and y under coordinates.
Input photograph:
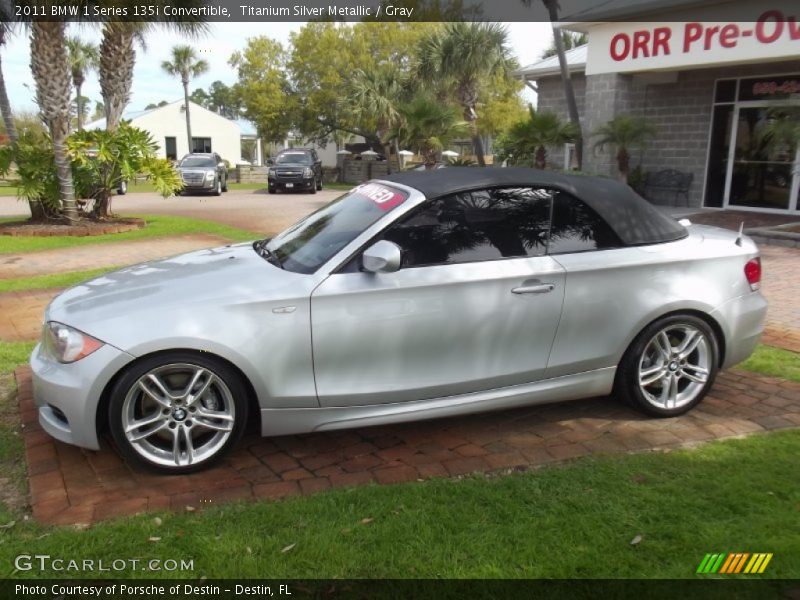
{"type": "Point", "coordinates": [572, 521]}
{"type": "Point", "coordinates": [55, 280]}
{"type": "Point", "coordinates": [775, 362]}
{"type": "Point", "coordinates": [13, 354]}
{"type": "Point", "coordinates": [157, 226]}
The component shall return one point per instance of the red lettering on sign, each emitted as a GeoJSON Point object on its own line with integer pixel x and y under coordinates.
{"type": "Point", "coordinates": [661, 37]}
{"type": "Point", "coordinates": [618, 53]}
{"type": "Point", "coordinates": [794, 30]}
{"type": "Point", "coordinates": [640, 41]}
{"type": "Point", "coordinates": [729, 35]}
{"type": "Point", "coordinates": [764, 33]}
{"type": "Point", "coordinates": [692, 33]}
{"type": "Point", "coordinates": [710, 37]}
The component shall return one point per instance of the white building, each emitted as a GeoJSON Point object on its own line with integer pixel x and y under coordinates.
{"type": "Point", "coordinates": [167, 125]}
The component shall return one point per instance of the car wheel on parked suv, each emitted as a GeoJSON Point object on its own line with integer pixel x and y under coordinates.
{"type": "Point", "coordinates": [225, 185]}
{"type": "Point", "coordinates": [319, 184]}
{"type": "Point", "coordinates": [218, 188]}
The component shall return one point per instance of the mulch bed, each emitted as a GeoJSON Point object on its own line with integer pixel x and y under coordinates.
{"type": "Point", "coordinates": [84, 228]}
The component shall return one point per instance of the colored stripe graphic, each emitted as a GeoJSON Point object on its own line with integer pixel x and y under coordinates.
{"type": "Point", "coordinates": [734, 562]}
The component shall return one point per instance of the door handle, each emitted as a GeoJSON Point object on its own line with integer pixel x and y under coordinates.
{"type": "Point", "coordinates": [539, 288]}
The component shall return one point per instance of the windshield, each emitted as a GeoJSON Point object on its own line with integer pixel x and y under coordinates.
{"type": "Point", "coordinates": [198, 161]}
{"type": "Point", "coordinates": [309, 244]}
{"type": "Point", "coordinates": [293, 158]}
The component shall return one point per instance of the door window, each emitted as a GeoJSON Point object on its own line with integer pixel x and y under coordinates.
{"type": "Point", "coordinates": [481, 225]}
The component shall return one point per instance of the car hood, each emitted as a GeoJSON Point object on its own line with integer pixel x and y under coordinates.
{"type": "Point", "coordinates": [215, 279]}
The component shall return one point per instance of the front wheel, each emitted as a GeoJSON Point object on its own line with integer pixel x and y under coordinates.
{"type": "Point", "coordinates": [177, 412]}
{"type": "Point", "coordinates": [670, 366]}
{"type": "Point", "coordinates": [225, 185]}
{"type": "Point", "coordinates": [218, 188]}
{"type": "Point", "coordinates": [123, 188]}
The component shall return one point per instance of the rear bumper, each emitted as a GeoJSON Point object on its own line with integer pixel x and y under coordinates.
{"type": "Point", "coordinates": [67, 395]}
{"type": "Point", "coordinates": [742, 320]}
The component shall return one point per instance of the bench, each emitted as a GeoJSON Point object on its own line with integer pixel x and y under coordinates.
{"type": "Point", "coordinates": [668, 183]}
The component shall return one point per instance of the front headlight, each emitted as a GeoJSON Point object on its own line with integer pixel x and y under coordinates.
{"type": "Point", "coordinates": [67, 345]}
{"type": "Point", "coordinates": [271, 173]}
{"type": "Point", "coordinates": [308, 172]}
{"type": "Point", "coordinates": [210, 175]}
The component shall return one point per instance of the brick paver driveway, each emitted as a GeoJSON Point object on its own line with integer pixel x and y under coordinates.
{"type": "Point", "coordinates": [70, 485]}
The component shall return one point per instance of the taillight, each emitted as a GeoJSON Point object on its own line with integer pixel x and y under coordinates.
{"type": "Point", "coordinates": [752, 270]}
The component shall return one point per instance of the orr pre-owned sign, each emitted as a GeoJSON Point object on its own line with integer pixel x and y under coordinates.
{"type": "Point", "coordinates": [639, 46]}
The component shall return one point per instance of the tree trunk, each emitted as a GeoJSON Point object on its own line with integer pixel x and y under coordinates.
{"type": "Point", "coordinates": [387, 148]}
{"type": "Point", "coordinates": [471, 117]}
{"type": "Point", "coordinates": [540, 158]}
{"type": "Point", "coordinates": [51, 73]}
{"type": "Point", "coordinates": [79, 102]}
{"type": "Point", "coordinates": [623, 163]}
{"type": "Point", "coordinates": [117, 58]}
{"type": "Point", "coordinates": [188, 119]}
{"type": "Point", "coordinates": [569, 91]}
{"type": "Point", "coordinates": [396, 146]}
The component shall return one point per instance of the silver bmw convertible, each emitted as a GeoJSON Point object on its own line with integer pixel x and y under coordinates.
{"type": "Point", "coordinates": [418, 296]}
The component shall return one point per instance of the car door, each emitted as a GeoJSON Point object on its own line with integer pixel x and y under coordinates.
{"type": "Point", "coordinates": [475, 305]}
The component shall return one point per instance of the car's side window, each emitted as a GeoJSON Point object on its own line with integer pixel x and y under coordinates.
{"type": "Point", "coordinates": [475, 226]}
{"type": "Point", "coordinates": [578, 228]}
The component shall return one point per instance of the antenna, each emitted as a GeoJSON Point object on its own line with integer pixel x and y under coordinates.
{"type": "Point", "coordinates": [741, 232]}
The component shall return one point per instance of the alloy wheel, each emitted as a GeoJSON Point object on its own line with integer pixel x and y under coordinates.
{"type": "Point", "coordinates": [177, 415]}
{"type": "Point", "coordinates": [675, 366]}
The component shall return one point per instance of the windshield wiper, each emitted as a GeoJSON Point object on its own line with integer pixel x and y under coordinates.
{"type": "Point", "coordinates": [260, 246]}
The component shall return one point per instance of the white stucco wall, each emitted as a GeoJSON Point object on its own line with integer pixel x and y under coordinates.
{"type": "Point", "coordinates": [169, 121]}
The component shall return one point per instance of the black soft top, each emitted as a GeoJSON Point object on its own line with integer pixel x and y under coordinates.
{"type": "Point", "coordinates": [634, 219]}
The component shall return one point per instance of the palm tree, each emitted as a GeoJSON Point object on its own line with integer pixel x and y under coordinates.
{"type": "Point", "coordinates": [462, 57]}
{"type": "Point", "coordinates": [428, 126]}
{"type": "Point", "coordinates": [374, 95]}
{"type": "Point", "coordinates": [531, 138]}
{"type": "Point", "coordinates": [569, 91]}
{"type": "Point", "coordinates": [51, 73]}
{"type": "Point", "coordinates": [569, 41]}
{"type": "Point", "coordinates": [118, 54]}
{"type": "Point", "coordinates": [5, 105]}
{"type": "Point", "coordinates": [83, 57]}
{"type": "Point", "coordinates": [624, 132]}
{"type": "Point", "coordinates": [186, 65]}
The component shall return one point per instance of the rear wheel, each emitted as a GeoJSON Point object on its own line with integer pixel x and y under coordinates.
{"type": "Point", "coordinates": [670, 366]}
{"type": "Point", "coordinates": [177, 412]}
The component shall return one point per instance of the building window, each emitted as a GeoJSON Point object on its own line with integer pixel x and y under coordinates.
{"type": "Point", "coordinates": [170, 148]}
{"type": "Point", "coordinates": [200, 144]}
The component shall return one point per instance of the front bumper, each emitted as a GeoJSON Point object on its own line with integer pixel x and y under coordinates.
{"type": "Point", "coordinates": [67, 395]}
{"type": "Point", "coordinates": [742, 320]}
{"type": "Point", "coordinates": [205, 186]}
{"type": "Point", "coordinates": [291, 184]}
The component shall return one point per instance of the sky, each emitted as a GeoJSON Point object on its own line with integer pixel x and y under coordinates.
{"type": "Point", "coordinates": [151, 84]}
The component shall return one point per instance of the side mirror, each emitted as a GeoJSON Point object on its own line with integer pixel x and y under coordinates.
{"type": "Point", "coordinates": [382, 257]}
{"type": "Point", "coordinates": [270, 162]}
{"type": "Point", "coordinates": [221, 165]}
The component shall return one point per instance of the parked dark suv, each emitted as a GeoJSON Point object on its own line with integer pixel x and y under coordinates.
{"type": "Point", "coordinates": [295, 169]}
{"type": "Point", "coordinates": [204, 172]}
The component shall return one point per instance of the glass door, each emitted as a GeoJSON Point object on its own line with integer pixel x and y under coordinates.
{"type": "Point", "coordinates": [762, 168]}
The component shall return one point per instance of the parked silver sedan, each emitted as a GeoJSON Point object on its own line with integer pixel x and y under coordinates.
{"type": "Point", "coordinates": [419, 296]}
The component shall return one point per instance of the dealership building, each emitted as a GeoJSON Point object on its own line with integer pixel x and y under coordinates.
{"type": "Point", "coordinates": [712, 78]}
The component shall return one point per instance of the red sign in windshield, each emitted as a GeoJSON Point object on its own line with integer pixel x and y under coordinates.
{"type": "Point", "coordinates": [386, 198]}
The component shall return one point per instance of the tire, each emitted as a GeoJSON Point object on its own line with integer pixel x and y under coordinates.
{"type": "Point", "coordinates": [314, 188]}
{"type": "Point", "coordinates": [666, 381]}
{"type": "Point", "coordinates": [225, 185]}
{"type": "Point", "coordinates": [123, 188]}
{"type": "Point", "coordinates": [319, 185]}
{"type": "Point", "coordinates": [178, 416]}
{"type": "Point", "coordinates": [218, 188]}
{"type": "Point", "coordinates": [270, 190]}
